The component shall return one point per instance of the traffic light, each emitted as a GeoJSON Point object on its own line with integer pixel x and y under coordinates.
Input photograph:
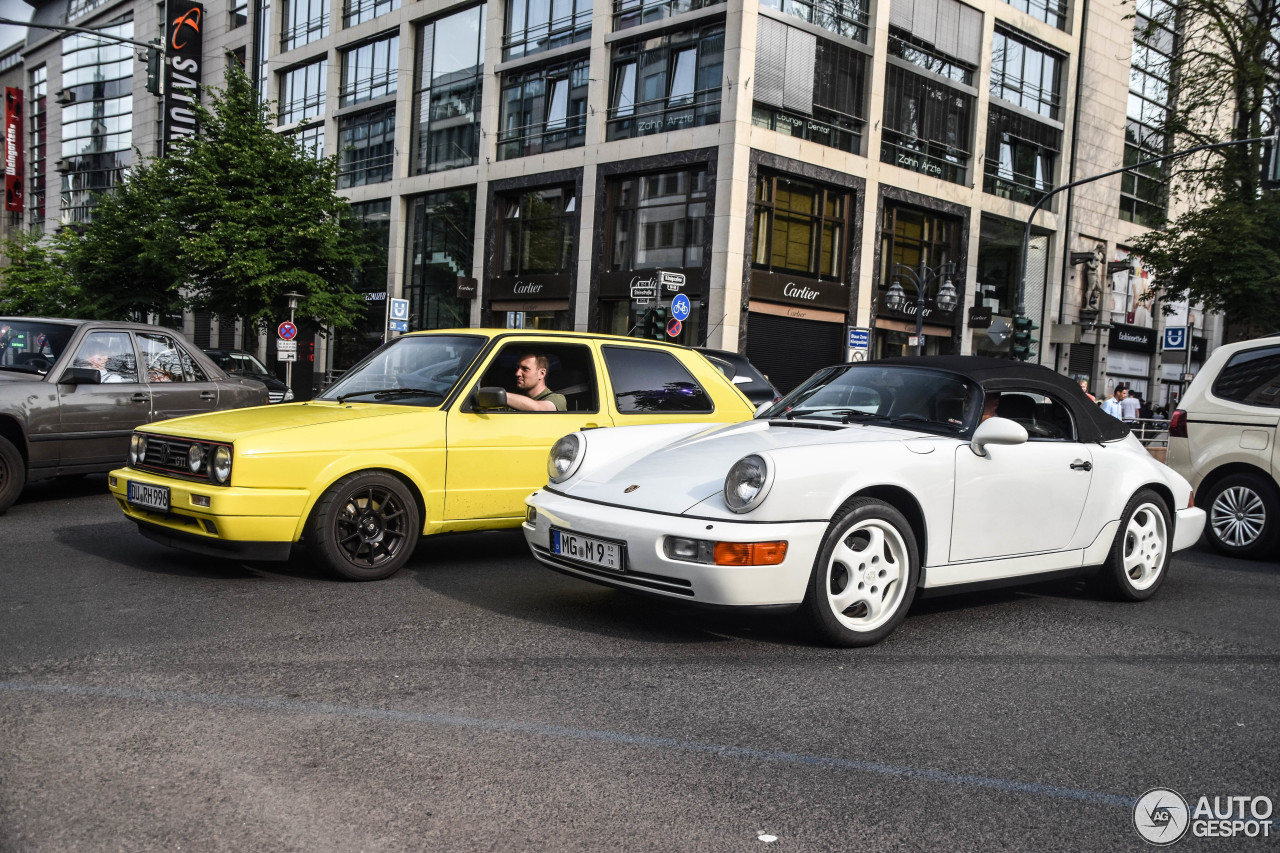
{"type": "Point", "coordinates": [155, 70]}
{"type": "Point", "coordinates": [1022, 340]}
{"type": "Point", "coordinates": [655, 323]}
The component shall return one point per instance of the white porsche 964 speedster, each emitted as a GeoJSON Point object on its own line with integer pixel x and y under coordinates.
{"type": "Point", "coordinates": [867, 483]}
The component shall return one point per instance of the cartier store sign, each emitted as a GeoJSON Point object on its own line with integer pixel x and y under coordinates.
{"type": "Point", "coordinates": [793, 290]}
{"type": "Point", "coordinates": [531, 287]}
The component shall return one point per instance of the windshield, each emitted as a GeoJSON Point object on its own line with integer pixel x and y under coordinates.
{"type": "Point", "coordinates": [418, 370]}
{"type": "Point", "coordinates": [32, 346]}
{"type": "Point", "coordinates": [241, 362]}
{"type": "Point", "coordinates": [908, 397]}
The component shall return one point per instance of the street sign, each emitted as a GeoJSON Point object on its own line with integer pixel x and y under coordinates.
{"type": "Point", "coordinates": [643, 291]}
{"type": "Point", "coordinates": [1175, 338]}
{"type": "Point", "coordinates": [672, 281]}
{"type": "Point", "coordinates": [673, 327]}
{"type": "Point", "coordinates": [680, 307]}
{"type": "Point", "coordinates": [286, 350]}
{"type": "Point", "coordinates": [398, 315]}
{"type": "Point", "coordinates": [859, 344]}
{"type": "Point", "coordinates": [287, 331]}
{"type": "Point", "coordinates": [999, 331]}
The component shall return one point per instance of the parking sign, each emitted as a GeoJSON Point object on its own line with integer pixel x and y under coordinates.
{"type": "Point", "coordinates": [398, 315]}
{"type": "Point", "coordinates": [1175, 338]}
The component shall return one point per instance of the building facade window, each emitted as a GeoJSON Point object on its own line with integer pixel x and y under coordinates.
{"type": "Point", "coordinates": [305, 21]}
{"type": "Point", "coordinates": [846, 18]}
{"type": "Point", "coordinates": [800, 228]}
{"type": "Point", "coordinates": [239, 15]}
{"type": "Point", "coordinates": [311, 138]}
{"type": "Point", "coordinates": [38, 113]}
{"type": "Point", "coordinates": [533, 26]}
{"type": "Point", "coordinates": [302, 92]}
{"type": "Point", "coordinates": [373, 219]}
{"type": "Point", "coordinates": [927, 126]}
{"type": "Point", "coordinates": [809, 87]}
{"type": "Point", "coordinates": [78, 8]}
{"type": "Point", "coordinates": [441, 242]}
{"type": "Point", "coordinates": [538, 231]}
{"type": "Point", "coordinates": [1143, 196]}
{"type": "Point", "coordinates": [369, 71]}
{"type": "Point", "coordinates": [543, 109]}
{"type": "Point", "coordinates": [367, 144]}
{"type": "Point", "coordinates": [657, 221]}
{"type": "Point", "coordinates": [910, 48]}
{"type": "Point", "coordinates": [1021, 156]}
{"type": "Point", "coordinates": [446, 127]}
{"type": "Point", "coordinates": [359, 11]}
{"type": "Point", "coordinates": [1026, 74]}
{"type": "Point", "coordinates": [1051, 12]}
{"type": "Point", "coordinates": [668, 82]}
{"type": "Point", "coordinates": [97, 118]}
{"type": "Point", "coordinates": [633, 13]}
{"type": "Point", "coordinates": [913, 237]}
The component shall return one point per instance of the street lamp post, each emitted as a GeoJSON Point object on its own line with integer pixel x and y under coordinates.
{"type": "Point", "coordinates": [946, 299]}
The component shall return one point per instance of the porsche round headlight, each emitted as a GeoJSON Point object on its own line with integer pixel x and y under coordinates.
{"type": "Point", "coordinates": [137, 448]}
{"type": "Point", "coordinates": [747, 483]}
{"type": "Point", "coordinates": [221, 466]}
{"type": "Point", "coordinates": [565, 457]}
{"type": "Point", "coordinates": [195, 458]}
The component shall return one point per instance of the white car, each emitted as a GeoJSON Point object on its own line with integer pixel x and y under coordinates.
{"type": "Point", "coordinates": [867, 483]}
{"type": "Point", "coordinates": [1222, 438]}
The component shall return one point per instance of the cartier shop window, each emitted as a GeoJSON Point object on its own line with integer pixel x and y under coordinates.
{"type": "Point", "coordinates": [538, 231]}
{"type": "Point", "coordinates": [800, 227]}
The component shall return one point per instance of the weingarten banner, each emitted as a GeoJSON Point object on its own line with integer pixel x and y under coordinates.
{"type": "Point", "coordinates": [184, 46]}
{"type": "Point", "coordinates": [13, 149]}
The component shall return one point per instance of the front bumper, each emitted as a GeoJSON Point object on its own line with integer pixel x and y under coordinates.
{"type": "Point", "coordinates": [1188, 527]}
{"type": "Point", "coordinates": [648, 569]}
{"type": "Point", "coordinates": [260, 524]}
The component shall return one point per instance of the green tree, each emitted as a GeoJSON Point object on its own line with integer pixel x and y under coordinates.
{"type": "Point", "coordinates": [1223, 252]}
{"type": "Point", "coordinates": [232, 220]}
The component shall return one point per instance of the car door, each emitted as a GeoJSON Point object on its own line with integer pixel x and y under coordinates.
{"type": "Point", "coordinates": [497, 458]}
{"type": "Point", "coordinates": [1025, 498]}
{"type": "Point", "coordinates": [178, 385]}
{"type": "Point", "coordinates": [96, 420]}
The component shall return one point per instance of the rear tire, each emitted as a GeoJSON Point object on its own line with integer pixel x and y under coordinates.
{"type": "Point", "coordinates": [13, 474]}
{"type": "Point", "coordinates": [365, 526]}
{"type": "Point", "coordinates": [865, 576]}
{"type": "Point", "coordinates": [1243, 516]}
{"type": "Point", "coordinates": [1140, 555]}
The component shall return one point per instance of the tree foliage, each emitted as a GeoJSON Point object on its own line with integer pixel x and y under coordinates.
{"type": "Point", "coordinates": [1226, 73]}
{"type": "Point", "coordinates": [230, 222]}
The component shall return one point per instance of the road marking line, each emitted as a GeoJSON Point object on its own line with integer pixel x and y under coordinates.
{"type": "Point", "coordinates": [213, 700]}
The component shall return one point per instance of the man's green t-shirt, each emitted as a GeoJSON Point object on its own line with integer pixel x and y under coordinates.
{"type": "Point", "coordinates": [557, 399]}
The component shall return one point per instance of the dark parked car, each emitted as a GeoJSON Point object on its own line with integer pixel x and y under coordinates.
{"type": "Point", "coordinates": [237, 362]}
{"type": "Point", "coordinates": [743, 373]}
{"type": "Point", "coordinates": [72, 391]}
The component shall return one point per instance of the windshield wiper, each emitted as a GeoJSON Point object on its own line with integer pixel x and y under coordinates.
{"type": "Point", "coordinates": [384, 393]}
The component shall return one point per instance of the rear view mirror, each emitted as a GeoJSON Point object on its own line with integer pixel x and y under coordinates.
{"type": "Point", "coordinates": [80, 376]}
{"type": "Point", "coordinates": [491, 397]}
{"type": "Point", "coordinates": [997, 431]}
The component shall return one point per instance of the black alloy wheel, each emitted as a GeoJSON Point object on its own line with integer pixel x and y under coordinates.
{"type": "Point", "coordinates": [365, 526]}
{"type": "Point", "coordinates": [13, 474]}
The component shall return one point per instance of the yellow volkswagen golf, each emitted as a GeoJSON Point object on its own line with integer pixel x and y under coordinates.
{"type": "Point", "coordinates": [431, 433]}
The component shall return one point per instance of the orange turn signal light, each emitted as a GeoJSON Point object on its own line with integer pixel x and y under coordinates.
{"type": "Point", "coordinates": [750, 553]}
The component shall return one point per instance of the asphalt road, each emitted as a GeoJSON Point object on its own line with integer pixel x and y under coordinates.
{"type": "Point", "coordinates": [152, 700]}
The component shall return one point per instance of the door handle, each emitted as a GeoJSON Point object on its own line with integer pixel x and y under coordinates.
{"type": "Point", "coordinates": [1081, 466]}
{"type": "Point", "coordinates": [139, 398]}
{"type": "Point", "coordinates": [207, 395]}
{"type": "Point", "coordinates": [591, 426]}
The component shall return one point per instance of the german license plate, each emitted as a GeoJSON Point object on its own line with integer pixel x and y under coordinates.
{"type": "Point", "coordinates": [589, 550]}
{"type": "Point", "coordinates": [149, 496]}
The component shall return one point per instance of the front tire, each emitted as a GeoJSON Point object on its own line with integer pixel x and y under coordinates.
{"type": "Point", "coordinates": [1140, 555]}
{"type": "Point", "coordinates": [1244, 516]}
{"type": "Point", "coordinates": [865, 576]}
{"type": "Point", "coordinates": [13, 474]}
{"type": "Point", "coordinates": [365, 526]}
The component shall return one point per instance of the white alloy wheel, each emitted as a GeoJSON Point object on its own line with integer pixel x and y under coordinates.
{"type": "Point", "coordinates": [1244, 515]}
{"type": "Point", "coordinates": [865, 575]}
{"type": "Point", "coordinates": [1139, 558]}
{"type": "Point", "coordinates": [1146, 545]}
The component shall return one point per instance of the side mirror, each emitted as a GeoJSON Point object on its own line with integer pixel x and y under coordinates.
{"type": "Point", "coordinates": [491, 397]}
{"type": "Point", "coordinates": [997, 431]}
{"type": "Point", "coordinates": [80, 376]}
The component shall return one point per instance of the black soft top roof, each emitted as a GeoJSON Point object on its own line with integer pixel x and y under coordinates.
{"type": "Point", "coordinates": [1000, 374]}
